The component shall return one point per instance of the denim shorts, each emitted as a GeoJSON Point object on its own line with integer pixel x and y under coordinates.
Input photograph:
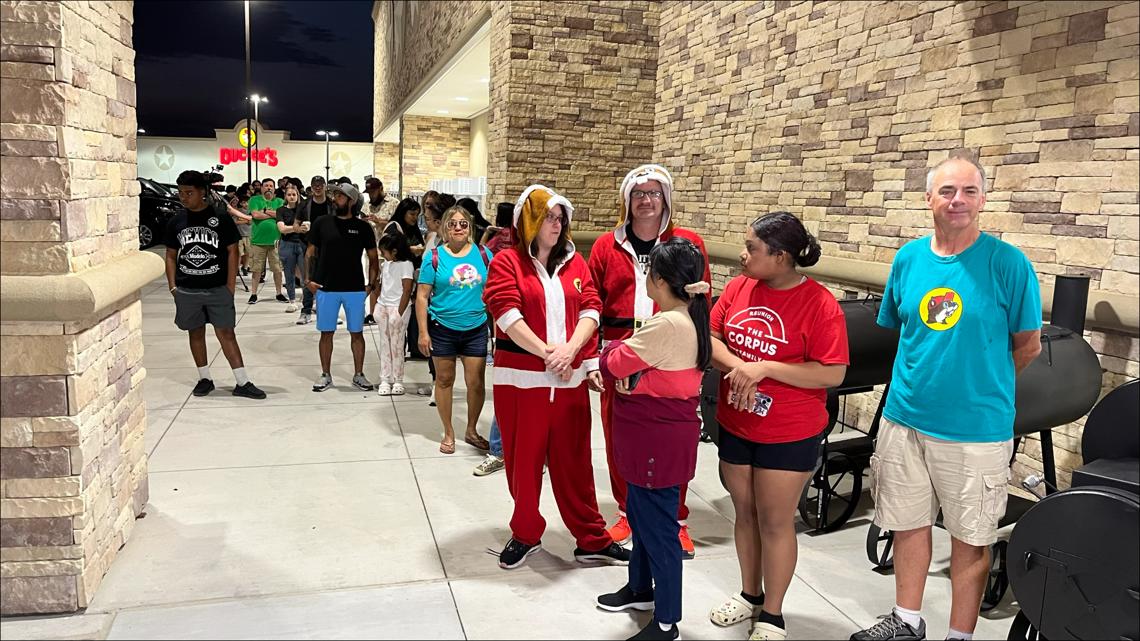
{"type": "Point", "coordinates": [449, 343]}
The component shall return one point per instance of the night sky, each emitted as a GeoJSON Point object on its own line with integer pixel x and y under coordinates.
{"type": "Point", "coordinates": [313, 60]}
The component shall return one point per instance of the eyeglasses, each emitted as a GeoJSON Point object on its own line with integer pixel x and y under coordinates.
{"type": "Point", "coordinates": [556, 218]}
{"type": "Point", "coordinates": [638, 194]}
{"type": "Point", "coordinates": [458, 224]}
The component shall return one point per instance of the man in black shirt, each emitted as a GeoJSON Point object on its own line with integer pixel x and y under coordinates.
{"type": "Point", "coordinates": [335, 247]}
{"type": "Point", "coordinates": [201, 267]}
{"type": "Point", "coordinates": [312, 209]}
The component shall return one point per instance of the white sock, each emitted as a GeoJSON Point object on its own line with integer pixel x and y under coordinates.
{"type": "Point", "coordinates": [913, 618]}
{"type": "Point", "coordinates": [204, 372]}
{"type": "Point", "coordinates": [955, 634]}
{"type": "Point", "coordinates": [239, 375]}
{"type": "Point", "coordinates": [665, 627]}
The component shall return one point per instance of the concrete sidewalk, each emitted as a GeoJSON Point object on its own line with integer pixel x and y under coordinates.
{"type": "Point", "coordinates": [334, 515]}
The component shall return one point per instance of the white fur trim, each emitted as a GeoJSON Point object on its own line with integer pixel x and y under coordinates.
{"type": "Point", "coordinates": [510, 318]}
{"type": "Point", "coordinates": [591, 314]}
{"type": "Point", "coordinates": [555, 199]}
{"type": "Point", "coordinates": [529, 379]}
{"type": "Point", "coordinates": [592, 364]}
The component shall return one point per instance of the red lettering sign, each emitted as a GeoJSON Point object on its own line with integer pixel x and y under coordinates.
{"type": "Point", "coordinates": [228, 156]}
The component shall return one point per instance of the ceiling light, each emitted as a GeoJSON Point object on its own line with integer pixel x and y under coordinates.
{"type": "Point", "coordinates": [484, 80]}
{"type": "Point", "coordinates": [462, 98]}
{"type": "Point", "coordinates": [442, 111]}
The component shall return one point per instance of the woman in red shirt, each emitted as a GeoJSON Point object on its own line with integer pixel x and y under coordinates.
{"type": "Point", "coordinates": [782, 339]}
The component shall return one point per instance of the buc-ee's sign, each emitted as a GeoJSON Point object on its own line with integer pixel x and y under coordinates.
{"type": "Point", "coordinates": [265, 156]}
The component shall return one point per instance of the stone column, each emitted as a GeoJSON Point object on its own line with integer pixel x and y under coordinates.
{"type": "Point", "coordinates": [386, 163]}
{"type": "Point", "coordinates": [72, 461]}
{"type": "Point", "coordinates": [434, 148]}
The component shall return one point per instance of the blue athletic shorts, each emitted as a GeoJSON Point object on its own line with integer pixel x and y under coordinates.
{"type": "Point", "coordinates": [328, 309]}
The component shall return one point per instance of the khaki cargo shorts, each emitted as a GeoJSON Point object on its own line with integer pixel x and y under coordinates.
{"type": "Point", "coordinates": [259, 253]}
{"type": "Point", "coordinates": [913, 475]}
{"type": "Point", "coordinates": [243, 246]}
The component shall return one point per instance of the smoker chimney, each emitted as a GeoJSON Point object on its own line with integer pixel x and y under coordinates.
{"type": "Point", "coordinates": [1070, 301]}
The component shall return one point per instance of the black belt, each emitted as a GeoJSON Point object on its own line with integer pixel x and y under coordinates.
{"type": "Point", "coordinates": [507, 345]}
{"type": "Point", "coordinates": [619, 323]}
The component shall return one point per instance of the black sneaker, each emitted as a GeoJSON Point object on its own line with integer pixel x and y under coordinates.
{"type": "Point", "coordinates": [891, 628]}
{"type": "Point", "coordinates": [204, 387]}
{"type": "Point", "coordinates": [370, 320]}
{"type": "Point", "coordinates": [281, 298]}
{"type": "Point", "coordinates": [249, 390]}
{"type": "Point", "coordinates": [614, 554]}
{"type": "Point", "coordinates": [653, 632]}
{"type": "Point", "coordinates": [626, 599]}
{"type": "Point", "coordinates": [252, 299]}
{"type": "Point", "coordinates": [515, 553]}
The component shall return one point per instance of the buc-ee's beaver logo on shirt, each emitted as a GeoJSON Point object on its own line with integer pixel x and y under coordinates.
{"type": "Point", "coordinates": [940, 309]}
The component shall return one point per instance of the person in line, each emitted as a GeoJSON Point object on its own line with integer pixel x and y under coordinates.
{"type": "Point", "coordinates": [336, 245]}
{"type": "Point", "coordinates": [201, 270]}
{"type": "Point", "coordinates": [782, 340]}
{"type": "Point", "coordinates": [546, 311]}
{"type": "Point", "coordinates": [291, 247]}
{"type": "Point", "coordinates": [498, 237]}
{"type": "Point", "coordinates": [450, 314]}
{"type": "Point", "coordinates": [397, 279]}
{"type": "Point", "coordinates": [657, 373]}
{"type": "Point", "coordinates": [968, 310]}
{"type": "Point", "coordinates": [312, 209]}
{"type": "Point", "coordinates": [377, 210]}
{"type": "Point", "coordinates": [244, 223]}
{"type": "Point", "coordinates": [480, 224]}
{"type": "Point", "coordinates": [619, 262]}
{"type": "Point", "coordinates": [263, 238]}
{"type": "Point", "coordinates": [405, 222]}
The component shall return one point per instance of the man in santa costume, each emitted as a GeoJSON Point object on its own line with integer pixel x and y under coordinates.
{"type": "Point", "coordinates": [546, 309]}
{"type": "Point", "coordinates": [618, 263]}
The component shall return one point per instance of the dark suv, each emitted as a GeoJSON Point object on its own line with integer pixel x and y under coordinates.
{"type": "Point", "coordinates": [157, 205]}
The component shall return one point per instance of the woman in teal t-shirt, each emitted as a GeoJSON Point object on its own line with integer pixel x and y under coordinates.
{"type": "Point", "coordinates": [452, 321]}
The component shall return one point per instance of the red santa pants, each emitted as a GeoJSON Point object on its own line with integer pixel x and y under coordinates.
{"type": "Point", "coordinates": [617, 483]}
{"type": "Point", "coordinates": [537, 430]}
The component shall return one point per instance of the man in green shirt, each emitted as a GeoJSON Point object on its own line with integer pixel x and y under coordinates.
{"type": "Point", "coordinates": [263, 237]}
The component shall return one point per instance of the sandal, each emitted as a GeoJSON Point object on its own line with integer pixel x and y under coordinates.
{"type": "Point", "coordinates": [731, 612]}
{"type": "Point", "coordinates": [447, 448]}
{"type": "Point", "coordinates": [478, 442]}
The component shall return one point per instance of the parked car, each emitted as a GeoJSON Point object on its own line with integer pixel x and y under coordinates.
{"type": "Point", "coordinates": [157, 205]}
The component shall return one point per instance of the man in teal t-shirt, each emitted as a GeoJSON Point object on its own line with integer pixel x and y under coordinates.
{"type": "Point", "coordinates": [263, 237]}
{"type": "Point", "coordinates": [968, 309]}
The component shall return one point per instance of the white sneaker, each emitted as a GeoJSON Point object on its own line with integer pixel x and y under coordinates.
{"type": "Point", "coordinates": [383, 389]}
{"type": "Point", "coordinates": [398, 389]}
{"type": "Point", "coordinates": [489, 465]}
{"type": "Point", "coordinates": [291, 307]}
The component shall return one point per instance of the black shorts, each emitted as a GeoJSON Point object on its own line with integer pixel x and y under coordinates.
{"type": "Point", "coordinates": [450, 343]}
{"type": "Point", "coordinates": [193, 308]}
{"type": "Point", "coordinates": [796, 456]}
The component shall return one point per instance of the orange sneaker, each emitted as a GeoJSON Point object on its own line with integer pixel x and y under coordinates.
{"type": "Point", "coordinates": [686, 543]}
{"type": "Point", "coordinates": [620, 532]}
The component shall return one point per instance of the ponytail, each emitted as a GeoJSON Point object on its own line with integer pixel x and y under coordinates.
{"type": "Point", "coordinates": [681, 265]}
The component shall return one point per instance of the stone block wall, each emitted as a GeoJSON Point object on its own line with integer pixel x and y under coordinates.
{"type": "Point", "coordinates": [73, 473]}
{"type": "Point", "coordinates": [572, 94]}
{"type": "Point", "coordinates": [434, 148]}
{"type": "Point", "coordinates": [386, 163]}
{"type": "Point", "coordinates": [835, 111]}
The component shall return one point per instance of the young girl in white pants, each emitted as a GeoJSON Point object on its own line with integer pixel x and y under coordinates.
{"type": "Point", "coordinates": [394, 311]}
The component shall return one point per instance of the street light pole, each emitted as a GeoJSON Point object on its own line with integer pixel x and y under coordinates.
{"type": "Point", "coordinates": [248, 159]}
{"type": "Point", "coordinates": [256, 138]}
{"type": "Point", "coordinates": [326, 134]}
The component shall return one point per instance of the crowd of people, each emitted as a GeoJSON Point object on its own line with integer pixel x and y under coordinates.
{"type": "Point", "coordinates": [638, 324]}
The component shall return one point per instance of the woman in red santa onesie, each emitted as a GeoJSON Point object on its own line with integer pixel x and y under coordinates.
{"type": "Point", "coordinates": [546, 311]}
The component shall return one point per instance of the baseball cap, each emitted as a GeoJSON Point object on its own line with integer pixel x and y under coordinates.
{"type": "Point", "coordinates": [347, 189]}
{"type": "Point", "coordinates": [317, 180]}
{"type": "Point", "coordinates": [372, 183]}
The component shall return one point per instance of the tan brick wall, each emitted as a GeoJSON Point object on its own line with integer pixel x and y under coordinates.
{"type": "Point", "coordinates": [835, 112]}
{"type": "Point", "coordinates": [434, 148]}
{"type": "Point", "coordinates": [72, 415]}
{"type": "Point", "coordinates": [386, 163]}
{"type": "Point", "coordinates": [573, 88]}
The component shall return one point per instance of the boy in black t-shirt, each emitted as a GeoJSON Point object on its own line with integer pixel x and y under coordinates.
{"type": "Point", "coordinates": [201, 269]}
